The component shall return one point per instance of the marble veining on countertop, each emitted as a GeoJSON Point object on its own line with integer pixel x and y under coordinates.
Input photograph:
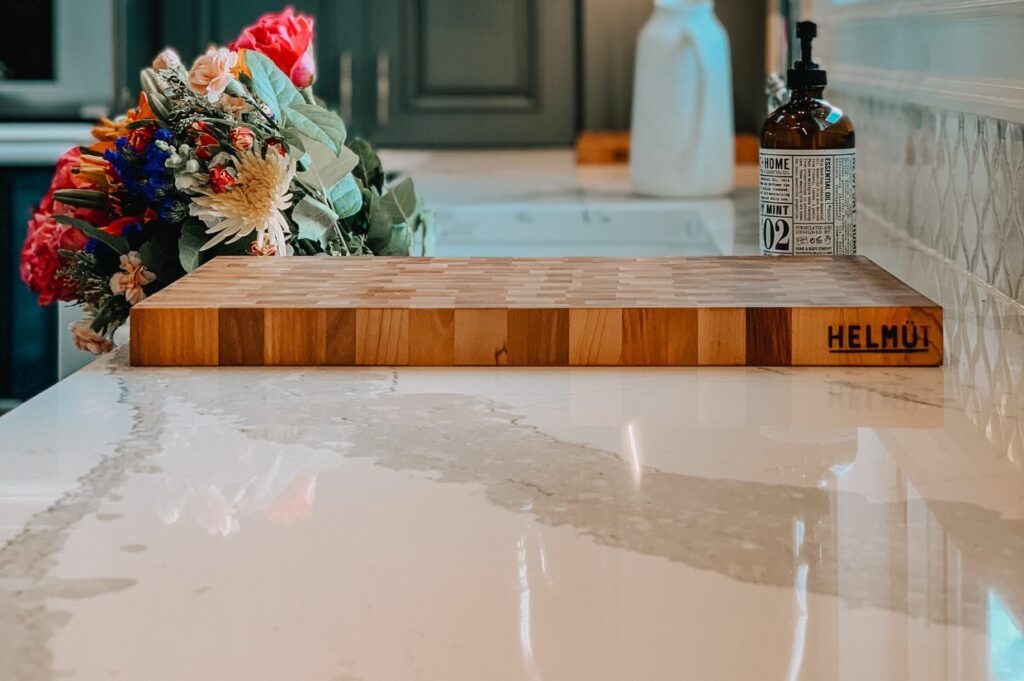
{"type": "Point", "coordinates": [365, 524]}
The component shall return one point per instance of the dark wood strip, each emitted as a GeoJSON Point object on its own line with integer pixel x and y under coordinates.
{"type": "Point", "coordinates": [341, 337]}
{"type": "Point", "coordinates": [538, 337]}
{"type": "Point", "coordinates": [769, 336]}
{"type": "Point", "coordinates": [240, 336]}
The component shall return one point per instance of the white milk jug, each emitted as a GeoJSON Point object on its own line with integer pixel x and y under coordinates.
{"type": "Point", "coordinates": [682, 137]}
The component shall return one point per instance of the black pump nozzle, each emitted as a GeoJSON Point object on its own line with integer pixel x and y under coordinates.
{"type": "Point", "coordinates": [806, 32]}
{"type": "Point", "coordinates": [805, 73]}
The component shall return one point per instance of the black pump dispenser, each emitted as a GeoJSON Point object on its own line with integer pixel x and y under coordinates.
{"type": "Point", "coordinates": [805, 73]}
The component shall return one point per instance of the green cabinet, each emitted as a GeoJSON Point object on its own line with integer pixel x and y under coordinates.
{"type": "Point", "coordinates": [422, 72]}
{"type": "Point", "coordinates": [478, 72]}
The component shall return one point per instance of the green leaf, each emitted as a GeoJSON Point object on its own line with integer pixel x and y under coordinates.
{"type": "Point", "coordinates": [401, 202]}
{"type": "Point", "coordinates": [333, 174]}
{"type": "Point", "coordinates": [153, 87]}
{"type": "Point", "coordinates": [400, 242]}
{"type": "Point", "coordinates": [118, 244]}
{"type": "Point", "coordinates": [161, 261]}
{"type": "Point", "coordinates": [318, 123]}
{"type": "Point", "coordinates": [378, 231]}
{"type": "Point", "coordinates": [369, 171]}
{"type": "Point", "coordinates": [346, 196]}
{"type": "Point", "coordinates": [314, 219]}
{"type": "Point", "coordinates": [294, 139]}
{"type": "Point", "coordinates": [273, 87]}
{"type": "Point", "coordinates": [240, 247]}
{"type": "Point", "coordinates": [193, 236]}
{"type": "Point", "coordinates": [82, 198]}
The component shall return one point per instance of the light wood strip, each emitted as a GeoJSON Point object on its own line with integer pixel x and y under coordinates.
{"type": "Point", "coordinates": [382, 337]}
{"type": "Point", "coordinates": [481, 337]}
{"type": "Point", "coordinates": [595, 337]}
{"type": "Point", "coordinates": [431, 337]}
{"type": "Point", "coordinates": [721, 337]}
{"type": "Point", "coordinates": [168, 337]}
{"type": "Point", "coordinates": [659, 337]}
{"type": "Point", "coordinates": [283, 345]}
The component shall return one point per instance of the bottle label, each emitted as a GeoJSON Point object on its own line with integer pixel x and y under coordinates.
{"type": "Point", "coordinates": [808, 202]}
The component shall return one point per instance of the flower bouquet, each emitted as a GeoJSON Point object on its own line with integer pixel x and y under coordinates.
{"type": "Point", "coordinates": [234, 156]}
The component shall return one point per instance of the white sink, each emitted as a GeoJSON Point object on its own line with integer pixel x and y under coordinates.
{"type": "Point", "coordinates": [583, 229]}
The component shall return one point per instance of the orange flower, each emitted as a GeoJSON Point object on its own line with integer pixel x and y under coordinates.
{"type": "Point", "coordinates": [107, 131]}
{"type": "Point", "coordinates": [93, 173]}
{"type": "Point", "coordinates": [87, 340]}
{"type": "Point", "coordinates": [132, 277]}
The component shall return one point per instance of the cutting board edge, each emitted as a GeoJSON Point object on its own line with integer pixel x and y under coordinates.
{"type": "Point", "coordinates": [805, 336]}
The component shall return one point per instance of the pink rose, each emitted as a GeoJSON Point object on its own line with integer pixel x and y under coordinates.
{"type": "Point", "coordinates": [287, 40]}
{"type": "Point", "coordinates": [211, 73]}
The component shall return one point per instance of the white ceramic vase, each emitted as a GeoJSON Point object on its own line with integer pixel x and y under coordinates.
{"type": "Point", "coordinates": [682, 133]}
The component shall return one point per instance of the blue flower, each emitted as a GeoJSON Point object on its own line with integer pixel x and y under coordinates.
{"type": "Point", "coordinates": [172, 210]}
{"type": "Point", "coordinates": [164, 134]}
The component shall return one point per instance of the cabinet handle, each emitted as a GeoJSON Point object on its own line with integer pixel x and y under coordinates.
{"type": "Point", "coordinates": [345, 85]}
{"type": "Point", "coordinates": [383, 90]}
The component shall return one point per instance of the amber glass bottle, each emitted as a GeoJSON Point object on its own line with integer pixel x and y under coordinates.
{"type": "Point", "coordinates": [808, 164]}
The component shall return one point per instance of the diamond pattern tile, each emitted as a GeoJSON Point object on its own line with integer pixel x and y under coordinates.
{"type": "Point", "coordinates": [953, 181]}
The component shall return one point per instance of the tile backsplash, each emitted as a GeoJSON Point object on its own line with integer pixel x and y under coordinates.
{"type": "Point", "coordinates": [952, 180]}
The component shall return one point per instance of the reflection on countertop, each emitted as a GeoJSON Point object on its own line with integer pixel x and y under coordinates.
{"type": "Point", "coordinates": [531, 523]}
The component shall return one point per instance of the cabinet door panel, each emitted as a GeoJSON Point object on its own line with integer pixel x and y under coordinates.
{"type": "Point", "coordinates": [474, 72]}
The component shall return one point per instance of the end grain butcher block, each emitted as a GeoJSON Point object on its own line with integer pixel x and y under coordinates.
{"type": "Point", "coordinates": [537, 312]}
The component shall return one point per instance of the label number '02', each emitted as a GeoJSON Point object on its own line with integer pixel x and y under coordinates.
{"type": "Point", "coordinates": [776, 234]}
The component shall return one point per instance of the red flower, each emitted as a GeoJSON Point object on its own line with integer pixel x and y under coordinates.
{"type": "Point", "coordinates": [116, 227]}
{"type": "Point", "coordinates": [40, 257]}
{"type": "Point", "coordinates": [241, 138]}
{"type": "Point", "coordinates": [277, 145]}
{"type": "Point", "coordinates": [287, 39]}
{"type": "Point", "coordinates": [221, 180]}
{"type": "Point", "coordinates": [139, 137]}
{"type": "Point", "coordinates": [206, 144]}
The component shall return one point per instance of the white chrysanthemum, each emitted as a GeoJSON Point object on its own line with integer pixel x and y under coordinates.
{"type": "Point", "coordinates": [256, 203]}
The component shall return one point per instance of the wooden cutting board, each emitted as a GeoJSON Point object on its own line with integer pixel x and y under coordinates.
{"type": "Point", "coordinates": [756, 311]}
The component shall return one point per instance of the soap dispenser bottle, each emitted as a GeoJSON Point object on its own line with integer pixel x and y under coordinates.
{"type": "Point", "coordinates": [808, 200]}
{"type": "Point", "coordinates": [682, 132]}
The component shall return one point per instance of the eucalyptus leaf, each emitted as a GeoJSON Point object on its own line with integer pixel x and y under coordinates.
{"type": "Point", "coordinates": [273, 87]}
{"type": "Point", "coordinates": [378, 232]}
{"type": "Point", "coordinates": [400, 242]}
{"type": "Point", "coordinates": [369, 171]}
{"type": "Point", "coordinates": [117, 243]}
{"type": "Point", "coordinates": [333, 174]}
{"type": "Point", "coordinates": [314, 219]}
{"type": "Point", "coordinates": [331, 166]}
{"type": "Point", "coordinates": [193, 236]}
{"type": "Point", "coordinates": [316, 122]}
{"type": "Point", "coordinates": [401, 202]}
{"type": "Point", "coordinates": [346, 196]}
{"type": "Point", "coordinates": [294, 139]}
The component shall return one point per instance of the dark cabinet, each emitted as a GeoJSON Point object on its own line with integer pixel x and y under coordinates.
{"type": "Point", "coordinates": [423, 72]}
{"type": "Point", "coordinates": [28, 332]}
{"type": "Point", "coordinates": [457, 72]}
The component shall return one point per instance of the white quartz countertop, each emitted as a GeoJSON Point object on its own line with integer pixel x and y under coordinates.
{"type": "Point", "coordinates": [527, 524]}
